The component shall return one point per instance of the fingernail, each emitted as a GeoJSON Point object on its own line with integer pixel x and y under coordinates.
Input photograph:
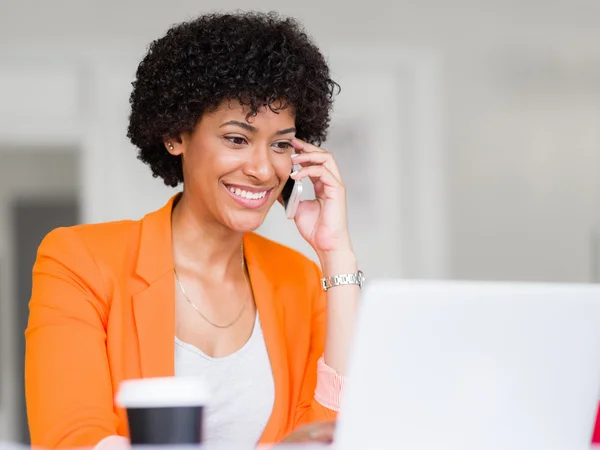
{"type": "Point", "coordinates": [295, 172]}
{"type": "Point", "coordinates": [294, 155]}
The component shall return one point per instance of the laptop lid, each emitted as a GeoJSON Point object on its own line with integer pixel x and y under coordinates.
{"type": "Point", "coordinates": [473, 366]}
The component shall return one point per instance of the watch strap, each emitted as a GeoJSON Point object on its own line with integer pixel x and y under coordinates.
{"type": "Point", "coordinates": [342, 280]}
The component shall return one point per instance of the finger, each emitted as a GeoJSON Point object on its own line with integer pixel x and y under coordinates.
{"type": "Point", "coordinates": [323, 157]}
{"type": "Point", "coordinates": [318, 173]}
{"type": "Point", "coordinates": [317, 185]}
{"type": "Point", "coordinates": [299, 144]}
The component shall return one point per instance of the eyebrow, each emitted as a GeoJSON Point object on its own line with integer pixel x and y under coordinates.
{"type": "Point", "coordinates": [252, 129]}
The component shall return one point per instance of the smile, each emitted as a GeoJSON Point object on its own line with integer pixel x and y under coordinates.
{"type": "Point", "coordinates": [246, 194]}
{"type": "Point", "coordinates": [248, 197]}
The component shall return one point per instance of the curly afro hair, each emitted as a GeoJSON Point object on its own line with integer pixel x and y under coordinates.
{"type": "Point", "coordinates": [260, 60]}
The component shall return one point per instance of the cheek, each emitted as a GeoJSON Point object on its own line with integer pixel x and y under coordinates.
{"type": "Point", "coordinates": [211, 161]}
{"type": "Point", "coordinates": [283, 169]}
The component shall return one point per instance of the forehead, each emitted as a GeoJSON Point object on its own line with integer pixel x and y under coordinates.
{"type": "Point", "coordinates": [234, 110]}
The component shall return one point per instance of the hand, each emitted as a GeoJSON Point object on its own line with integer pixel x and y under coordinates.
{"type": "Point", "coordinates": [312, 432]}
{"type": "Point", "coordinates": [323, 222]}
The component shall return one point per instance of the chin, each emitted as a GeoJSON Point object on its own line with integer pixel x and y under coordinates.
{"type": "Point", "coordinates": [245, 222]}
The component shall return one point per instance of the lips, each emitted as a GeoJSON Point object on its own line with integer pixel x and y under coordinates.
{"type": "Point", "coordinates": [248, 196]}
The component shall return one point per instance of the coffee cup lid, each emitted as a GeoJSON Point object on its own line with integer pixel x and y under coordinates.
{"type": "Point", "coordinates": [162, 392]}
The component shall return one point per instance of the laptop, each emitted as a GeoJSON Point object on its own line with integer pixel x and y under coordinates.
{"type": "Point", "coordinates": [473, 366]}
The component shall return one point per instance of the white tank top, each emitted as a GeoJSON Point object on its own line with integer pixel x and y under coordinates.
{"type": "Point", "coordinates": [241, 388]}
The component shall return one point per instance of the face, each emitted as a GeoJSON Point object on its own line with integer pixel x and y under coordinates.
{"type": "Point", "coordinates": [235, 166]}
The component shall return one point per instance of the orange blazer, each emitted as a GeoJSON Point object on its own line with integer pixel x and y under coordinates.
{"type": "Point", "coordinates": [102, 311]}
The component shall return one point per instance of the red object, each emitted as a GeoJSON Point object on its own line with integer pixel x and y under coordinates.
{"type": "Point", "coordinates": [596, 433]}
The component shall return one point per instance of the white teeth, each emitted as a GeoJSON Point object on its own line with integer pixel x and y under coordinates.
{"type": "Point", "coordinates": [247, 194]}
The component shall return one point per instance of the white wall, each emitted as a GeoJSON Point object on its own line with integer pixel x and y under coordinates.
{"type": "Point", "coordinates": [435, 23]}
{"type": "Point", "coordinates": [525, 182]}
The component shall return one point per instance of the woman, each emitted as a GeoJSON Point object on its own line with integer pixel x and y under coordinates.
{"type": "Point", "coordinates": [222, 104]}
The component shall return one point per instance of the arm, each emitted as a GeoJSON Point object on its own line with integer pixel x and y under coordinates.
{"type": "Point", "coordinates": [342, 305]}
{"type": "Point", "coordinates": [332, 327]}
{"type": "Point", "coordinates": [323, 222]}
{"type": "Point", "coordinates": [68, 387]}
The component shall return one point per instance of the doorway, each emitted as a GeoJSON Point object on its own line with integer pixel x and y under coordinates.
{"type": "Point", "coordinates": [39, 191]}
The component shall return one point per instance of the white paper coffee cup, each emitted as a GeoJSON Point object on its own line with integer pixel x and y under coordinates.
{"type": "Point", "coordinates": [163, 411]}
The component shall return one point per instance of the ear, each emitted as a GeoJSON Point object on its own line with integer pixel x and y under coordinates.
{"type": "Point", "coordinates": [176, 146]}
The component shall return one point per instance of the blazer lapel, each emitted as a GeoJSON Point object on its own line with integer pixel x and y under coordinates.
{"type": "Point", "coordinates": [154, 307]}
{"type": "Point", "coordinates": [271, 319]}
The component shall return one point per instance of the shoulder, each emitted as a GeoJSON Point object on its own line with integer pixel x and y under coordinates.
{"type": "Point", "coordinates": [95, 235]}
{"type": "Point", "coordinates": [283, 262]}
{"type": "Point", "coordinates": [101, 241]}
{"type": "Point", "coordinates": [80, 259]}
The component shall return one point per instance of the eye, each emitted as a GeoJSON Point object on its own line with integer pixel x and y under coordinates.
{"type": "Point", "coordinates": [237, 141]}
{"type": "Point", "coordinates": [282, 146]}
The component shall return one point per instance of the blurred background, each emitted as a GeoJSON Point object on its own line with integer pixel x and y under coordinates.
{"type": "Point", "coordinates": [468, 133]}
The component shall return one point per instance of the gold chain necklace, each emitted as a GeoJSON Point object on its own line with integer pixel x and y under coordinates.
{"type": "Point", "coordinates": [198, 311]}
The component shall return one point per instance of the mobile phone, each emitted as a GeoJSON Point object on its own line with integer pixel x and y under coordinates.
{"type": "Point", "coordinates": [292, 191]}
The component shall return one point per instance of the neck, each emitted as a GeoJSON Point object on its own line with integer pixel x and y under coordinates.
{"type": "Point", "coordinates": [204, 247]}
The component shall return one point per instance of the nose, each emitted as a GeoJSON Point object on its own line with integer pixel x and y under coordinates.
{"type": "Point", "coordinates": [260, 165]}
